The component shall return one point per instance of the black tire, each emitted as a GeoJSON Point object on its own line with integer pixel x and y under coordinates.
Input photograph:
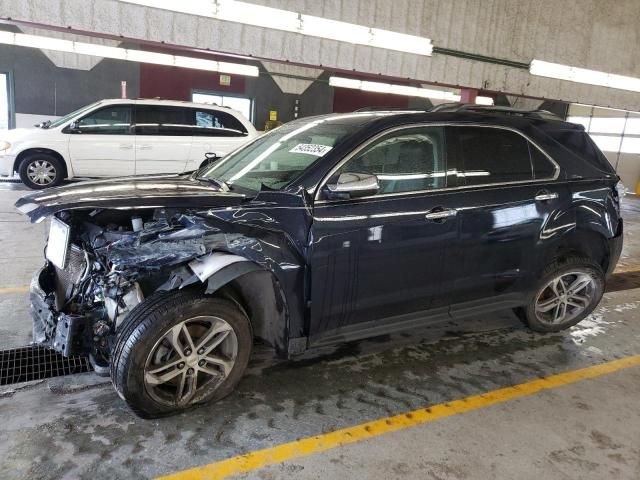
{"type": "Point", "coordinates": [529, 315]}
{"type": "Point", "coordinates": [147, 324]}
{"type": "Point", "coordinates": [41, 160]}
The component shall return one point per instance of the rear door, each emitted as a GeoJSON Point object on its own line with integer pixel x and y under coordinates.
{"type": "Point", "coordinates": [102, 143]}
{"type": "Point", "coordinates": [163, 138]}
{"type": "Point", "coordinates": [509, 195]}
{"type": "Point", "coordinates": [215, 132]}
{"type": "Point", "coordinates": [385, 258]}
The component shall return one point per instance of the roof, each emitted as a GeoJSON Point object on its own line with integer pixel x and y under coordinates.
{"type": "Point", "coordinates": [160, 101]}
{"type": "Point", "coordinates": [503, 116]}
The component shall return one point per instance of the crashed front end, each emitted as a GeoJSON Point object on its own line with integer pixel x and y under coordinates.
{"type": "Point", "coordinates": [110, 261]}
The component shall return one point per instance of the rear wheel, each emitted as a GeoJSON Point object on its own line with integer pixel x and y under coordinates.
{"type": "Point", "coordinates": [180, 349]}
{"type": "Point", "coordinates": [567, 293]}
{"type": "Point", "coordinates": [41, 170]}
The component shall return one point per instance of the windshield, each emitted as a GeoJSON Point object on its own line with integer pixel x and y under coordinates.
{"type": "Point", "coordinates": [69, 116]}
{"type": "Point", "coordinates": [277, 157]}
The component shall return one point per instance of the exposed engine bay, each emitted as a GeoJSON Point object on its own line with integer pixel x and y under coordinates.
{"type": "Point", "coordinates": [115, 258]}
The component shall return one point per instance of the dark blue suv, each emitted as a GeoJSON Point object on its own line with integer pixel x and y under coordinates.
{"type": "Point", "coordinates": [325, 230]}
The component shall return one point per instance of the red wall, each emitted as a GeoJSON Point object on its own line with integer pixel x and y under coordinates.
{"type": "Point", "coordinates": [174, 83]}
{"type": "Point", "coordinates": [348, 100]}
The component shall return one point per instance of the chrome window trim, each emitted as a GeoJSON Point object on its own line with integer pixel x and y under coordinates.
{"type": "Point", "coordinates": [325, 179]}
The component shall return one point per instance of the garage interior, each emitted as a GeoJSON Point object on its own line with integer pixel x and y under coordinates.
{"type": "Point", "coordinates": [480, 398]}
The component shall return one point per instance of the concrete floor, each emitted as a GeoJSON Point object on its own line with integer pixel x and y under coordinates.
{"type": "Point", "coordinates": [77, 427]}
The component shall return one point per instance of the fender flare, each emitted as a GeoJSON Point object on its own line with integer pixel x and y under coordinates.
{"type": "Point", "coordinates": [269, 315]}
{"type": "Point", "coordinates": [219, 268]}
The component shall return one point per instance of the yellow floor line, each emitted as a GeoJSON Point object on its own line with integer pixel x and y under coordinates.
{"type": "Point", "coordinates": [307, 446]}
{"type": "Point", "coordinates": [627, 269]}
{"type": "Point", "coordinates": [14, 289]}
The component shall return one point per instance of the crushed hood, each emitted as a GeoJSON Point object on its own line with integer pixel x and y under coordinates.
{"type": "Point", "coordinates": [149, 191]}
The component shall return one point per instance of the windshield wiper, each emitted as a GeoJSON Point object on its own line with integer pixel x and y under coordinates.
{"type": "Point", "coordinates": [222, 185]}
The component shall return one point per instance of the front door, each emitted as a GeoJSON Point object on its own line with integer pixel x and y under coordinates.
{"type": "Point", "coordinates": [102, 144]}
{"type": "Point", "coordinates": [384, 259]}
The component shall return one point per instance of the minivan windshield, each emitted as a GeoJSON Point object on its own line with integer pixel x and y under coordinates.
{"type": "Point", "coordinates": [62, 120]}
{"type": "Point", "coordinates": [277, 157]}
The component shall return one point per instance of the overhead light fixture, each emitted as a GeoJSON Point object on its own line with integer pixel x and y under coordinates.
{"type": "Point", "coordinates": [583, 75]}
{"type": "Point", "coordinates": [295, 22]}
{"type": "Point", "coordinates": [141, 56]}
{"type": "Point", "coordinates": [406, 90]}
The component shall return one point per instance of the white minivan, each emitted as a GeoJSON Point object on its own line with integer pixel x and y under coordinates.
{"type": "Point", "coordinates": [123, 137]}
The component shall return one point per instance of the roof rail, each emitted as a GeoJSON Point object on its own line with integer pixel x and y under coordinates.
{"type": "Point", "coordinates": [446, 107]}
{"type": "Point", "coordinates": [470, 107]}
{"type": "Point", "coordinates": [389, 109]}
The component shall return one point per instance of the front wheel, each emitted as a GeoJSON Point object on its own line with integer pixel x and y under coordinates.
{"type": "Point", "coordinates": [179, 349]}
{"type": "Point", "coordinates": [567, 293]}
{"type": "Point", "coordinates": [41, 170]}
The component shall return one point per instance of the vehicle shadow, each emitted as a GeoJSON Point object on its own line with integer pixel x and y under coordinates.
{"type": "Point", "coordinates": [623, 281]}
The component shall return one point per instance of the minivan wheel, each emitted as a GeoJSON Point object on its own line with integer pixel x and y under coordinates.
{"type": "Point", "coordinates": [567, 293]}
{"type": "Point", "coordinates": [41, 170]}
{"type": "Point", "coordinates": [180, 349]}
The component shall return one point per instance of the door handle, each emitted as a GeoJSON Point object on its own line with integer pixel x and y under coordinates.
{"type": "Point", "coordinates": [441, 214]}
{"type": "Point", "coordinates": [544, 196]}
{"type": "Point", "coordinates": [144, 147]}
{"type": "Point", "coordinates": [126, 146]}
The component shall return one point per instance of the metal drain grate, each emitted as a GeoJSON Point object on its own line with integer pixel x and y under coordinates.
{"type": "Point", "coordinates": [36, 363]}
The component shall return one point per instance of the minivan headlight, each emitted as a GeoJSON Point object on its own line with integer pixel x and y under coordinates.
{"type": "Point", "coordinates": [4, 146]}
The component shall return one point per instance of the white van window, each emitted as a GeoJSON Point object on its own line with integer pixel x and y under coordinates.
{"type": "Point", "coordinates": [114, 120]}
{"type": "Point", "coordinates": [214, 123]}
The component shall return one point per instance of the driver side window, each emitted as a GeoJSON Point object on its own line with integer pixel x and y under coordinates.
{"type": "Point", "coordinates": [409, 160]}
{"type": "Point", "coordinates": [114, 120]}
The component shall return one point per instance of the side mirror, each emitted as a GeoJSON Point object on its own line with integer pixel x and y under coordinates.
{"type": "Point", "coordinates": [72, 128]}
{"type": "Point", "coordinates": [354, 185]}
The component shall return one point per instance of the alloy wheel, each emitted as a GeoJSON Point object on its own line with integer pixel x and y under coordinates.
{"type": "Point", "coordinates": [565, 297]}
{"type": "Point", "coordinates": [41, 172]}
{"type": "Point", "coordinates": [189, 358]}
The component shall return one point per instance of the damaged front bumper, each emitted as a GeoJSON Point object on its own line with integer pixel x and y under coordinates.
{"type": "Point", "coordinates": [65, 333]}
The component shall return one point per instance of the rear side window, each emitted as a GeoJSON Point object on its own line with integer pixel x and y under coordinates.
{"type": "Point", "coordinates": [493, 155]}
{"type": "Point", "coordinates": [542, 166]}
{"type": "Point", "coordinates": [163, 120]}
{"type": "Point", "coordinates": [579, 143]}
{"type": "Point", "coordinates": [213, 123]}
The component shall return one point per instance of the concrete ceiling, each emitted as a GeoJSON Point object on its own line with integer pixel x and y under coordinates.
{"type": "Point", "coordinates": [586, 33]}
{"type": "Point", "coordinates": [284, 74]}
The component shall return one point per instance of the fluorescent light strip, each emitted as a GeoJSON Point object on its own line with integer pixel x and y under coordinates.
{"type": "Point", "coordinates": [61, 45]}
{"type": "Point", "coordinates": [295, 22]}
{"type": "Point", "coordinates": [405, 90]}
{"type": "Point", "coordinates": [583, 75]}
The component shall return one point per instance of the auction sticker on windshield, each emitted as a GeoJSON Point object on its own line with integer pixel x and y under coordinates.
{"type": "Point", "coordinates": [311, 149]}
{"type": "Point", "coordinates": [58, 243]}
